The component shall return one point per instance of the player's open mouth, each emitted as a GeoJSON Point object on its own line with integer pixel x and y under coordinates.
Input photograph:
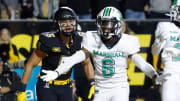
{"type": "Point", "coordinates": [68, 30]}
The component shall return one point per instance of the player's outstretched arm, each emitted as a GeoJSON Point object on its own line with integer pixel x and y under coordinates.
{"type": "Point", "coordinates": [161, 38]}
{"type": "Point", "coordinates": [34, 60]}
{"type": "Point", "coordinates": [89, 71]}
{"type": "Point", "coordinates": [143, 65]}
{"type": "Point", "coordinates": [157, 47]}
{"type": "Point", "coordinates": [66, 64]}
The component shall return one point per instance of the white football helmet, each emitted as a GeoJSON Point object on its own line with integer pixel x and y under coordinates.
{"type": "Point", "coordinates": [109, 22]}
{"type": "Point", "coordinates": [175, 11]}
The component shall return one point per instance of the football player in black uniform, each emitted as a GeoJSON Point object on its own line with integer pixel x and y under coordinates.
{"type": "Point", "coordinates": [51, 47]}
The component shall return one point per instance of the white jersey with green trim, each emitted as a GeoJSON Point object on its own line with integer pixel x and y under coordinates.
{"type": "Point", "coordinates": [110, 63]}
{"type": "Point", "coordinates": [173, 41]}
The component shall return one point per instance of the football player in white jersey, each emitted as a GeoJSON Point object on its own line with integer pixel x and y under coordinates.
{"type": "Point", "coordinates": [167, 40]}
{"type": "Point", "coordinates": [110, 50]}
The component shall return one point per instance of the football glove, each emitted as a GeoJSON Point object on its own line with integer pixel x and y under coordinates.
{"type": "Point", "coordinates": [91, 91]}
{"type": "Point", "coordinates": [49, 75]}
{"type": "Point", "coordinates": [160, 79]}
{"type": "Point", "coordinates": [21, 96]}
{"type": "Point", "coordinates": [171, 52]}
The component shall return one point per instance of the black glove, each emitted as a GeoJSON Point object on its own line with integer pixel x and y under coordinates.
{"type": "Point", "coordinates": [21, 87]}
{"type": "Point", "coordinates": [91, 91]}
{"type": "Point", "coordinates": [21, 96]}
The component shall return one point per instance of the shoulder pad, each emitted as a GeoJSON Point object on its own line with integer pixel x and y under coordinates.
{"type": "Point", "coordinates": [92, 33]}
{"type": "Point", "coordinates": [45, 40]}
{"type": "Point", "coordinates": [164, 24]}
{"type": "Point", "coordinates": [46, 36]}
{"type": "Point", "coordinates": [133, 45]}
{"type": "Point", "coordinates": [130, 37]}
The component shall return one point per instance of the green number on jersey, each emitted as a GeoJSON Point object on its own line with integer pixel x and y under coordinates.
{"type": "Point", "coordinates": [177, 58]}
{"type": "Point", "coordinates": [108, 69]}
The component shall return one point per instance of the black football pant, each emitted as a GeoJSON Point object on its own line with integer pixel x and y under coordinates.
{"type": "Point", "coordinates": [54, 92]}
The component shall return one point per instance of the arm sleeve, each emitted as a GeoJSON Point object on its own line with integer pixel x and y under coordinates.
{"type": "Point", "coordinates": [158, 45]}
{"type": "Point", "coordinates": [65, 65]}
{"type": "Point", "coordinates": [143, 65]}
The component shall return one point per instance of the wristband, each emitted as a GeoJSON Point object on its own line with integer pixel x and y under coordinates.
{"type": "Point", "coordinates": [92, 81]}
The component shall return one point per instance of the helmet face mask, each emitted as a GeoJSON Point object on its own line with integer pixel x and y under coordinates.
{"type": "Point", "coordinates": [175, 13]}
{"type": "Point", "coordinates": [109, 23]}
{"type": "Point", "coordinates": [67, 26]}
{"type": "Point", "coordinates": [66, 21]}
{"type": "Point", "coordinates": [108, 27]}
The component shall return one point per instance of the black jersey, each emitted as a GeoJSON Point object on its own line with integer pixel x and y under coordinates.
{"type": "Point", "coordinates": [50, 43]}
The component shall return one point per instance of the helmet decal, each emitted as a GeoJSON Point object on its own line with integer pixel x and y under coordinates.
{"type": "Point", "coordinates": [107, 12]}
{"type": "Point", "coordinates": [176, 2]}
